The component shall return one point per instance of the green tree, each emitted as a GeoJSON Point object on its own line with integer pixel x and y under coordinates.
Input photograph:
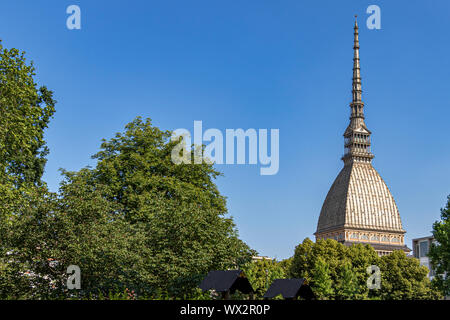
{"type": "Point", "coordinates": [403, 278]}
{"type": "Point", "coordinates": [440, 251]}
{"type": "Point", "coordinates": [336, 256]}
{"type": "Point", "coordinates": [321, 282]}
{"type": "Point", "coordinates": [362, 256]}
{"type": "Point", "coordinates": [303, 260]}
{"type": "Point", "coordinates": [25, 113]}
{"type": "Point", "coordinates": [286, 265]}
{"type": "Point", "coordinates": [262, 273]}
{"type": "Point", "coordinates": [347, 286]}
{"type": "Point", "coordinates": [136, 221]}
{"type": "Point", "coordinates": [176, 211]}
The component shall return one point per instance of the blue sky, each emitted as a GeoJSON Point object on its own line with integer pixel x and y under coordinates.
{"type": "Point", "coordinates": [253, 64]}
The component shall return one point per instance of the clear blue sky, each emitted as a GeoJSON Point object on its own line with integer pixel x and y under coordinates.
{"type": "Point", "coordinates": [253, 64]}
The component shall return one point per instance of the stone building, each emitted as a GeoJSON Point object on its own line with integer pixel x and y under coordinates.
{"type": "Point", "coordinates": [421, 247]}
{"type": "Point", "coordinates": [359, 208]}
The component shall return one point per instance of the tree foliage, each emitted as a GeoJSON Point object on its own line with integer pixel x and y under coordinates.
{"type": "Point", "coordinates": [440, 250]}
{"type": "Point", "coordinates": [403, 278]}
{"type": "Point", "coordinates": [328, 261]}
{"type": "Point", "coordinates": [262, 273]}
{"type": "Point", "coordinates": [25, 113]}
{"type": "Point", "coordinates": [136, 221]}
{"type": "Point", "coordinates": [321, 282]}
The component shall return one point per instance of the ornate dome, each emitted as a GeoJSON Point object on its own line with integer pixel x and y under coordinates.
{"type": "Point", "coordinates": [359, 198]}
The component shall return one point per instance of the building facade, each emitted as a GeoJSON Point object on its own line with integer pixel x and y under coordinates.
{"type": "Point", "coordinates": [359, 208]}
{"type": "Point", "coordinates": [421, 247]}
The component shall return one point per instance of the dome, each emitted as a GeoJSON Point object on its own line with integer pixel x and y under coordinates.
{"type": "Point", "coordinates": [360, 199]}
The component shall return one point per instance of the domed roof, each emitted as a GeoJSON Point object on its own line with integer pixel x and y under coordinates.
{"type": "Point", "coordinates": [359, 198]}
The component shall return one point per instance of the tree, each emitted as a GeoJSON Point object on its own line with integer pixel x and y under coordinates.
{"type": "Point", "coordinates": [440, 251]}
{"type": "Point", "coordinates": [286, 265]}
{"type": "Point", "coordinates": [336, 255]}
{"type": "Point", "coordinates": [175, 211]}
{"type": "Point", "coordinates": [347, 286]}
{"type": "Point", "coordinates": [262, 273]}
{"type": "Point", "coordinates": [321, 281]}
{"type": "Point", "coordinates": [403, 278]}
{"type": "Point", "coordinates": [136, 221]}
{"type": "Point", "coordinates": [362, 256]}
{"type": "Point", "coordinates": [25, 113]}
{"type": "Point", "coordinates": [346, 268]}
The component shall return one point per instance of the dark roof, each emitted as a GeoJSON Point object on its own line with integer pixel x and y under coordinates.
{"type": "Point", "coordinates": [222, 281]}
{"type": "Point", "coordinates": [289, 289]}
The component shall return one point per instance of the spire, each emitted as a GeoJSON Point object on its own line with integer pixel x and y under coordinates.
{"type": "Point", "coordinates": [356, 87]}
{"type": "Point", "coordinates": [357, 136]}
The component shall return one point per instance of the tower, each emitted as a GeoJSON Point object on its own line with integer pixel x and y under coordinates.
{"type": "Point", "coordinates": [359, 208]}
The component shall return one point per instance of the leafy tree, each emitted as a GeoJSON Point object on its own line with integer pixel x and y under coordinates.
{"type": "Point", "coordinates": [135, 221]}
{"type": "Point", "coordinates": [440, 251]}
{"type": "Point", "coordinates": [25, 113]}
{"type": "Point", "coordinates": [262, 273]}
{"type": "Point", "coordinates": [360, 257]}
{"type": "Point", "coordinates": [336, 255]}
{"type": "Point", "coordinates": [171, 217]}
{"type": "Point", "coordinates": [347, 286]}
{"type": "Point", "coordinates": [286, 265]}
{"type": "Point", "coordinates": [321, 281]}
{"type": "Point", "coordinates": [303, 260]}
{"type": "Point", "coordinates": [403, 278]}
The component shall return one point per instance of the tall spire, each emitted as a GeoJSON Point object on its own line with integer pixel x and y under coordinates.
{"type": "Point", "coordinates": [356, 87]}
{"type": "Point", "coordinates": [357, 136]}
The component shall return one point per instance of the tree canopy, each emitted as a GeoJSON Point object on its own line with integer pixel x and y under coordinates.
{"type": "Point", "coordinates": [25, 113]}
{"type": "Point", "coordinates": [336, 271]}
{"type": "Point", "coordinates": [262, 273]}
{"type": "Point", "coordinates": [135, 221]}
{"type": "Point", "coordinates": [440, 250]}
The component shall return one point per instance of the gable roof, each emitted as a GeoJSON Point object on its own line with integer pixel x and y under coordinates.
{"type": "Point", "coordinates": [222, 281]}
{"type": "Point", "coordinates": [289, 289]}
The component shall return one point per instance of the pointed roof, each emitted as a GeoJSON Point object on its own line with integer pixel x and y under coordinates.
{"type": "Point", "coordinates": [289, 289]}
{"type": "Point", "coordinates": [226, 280]}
